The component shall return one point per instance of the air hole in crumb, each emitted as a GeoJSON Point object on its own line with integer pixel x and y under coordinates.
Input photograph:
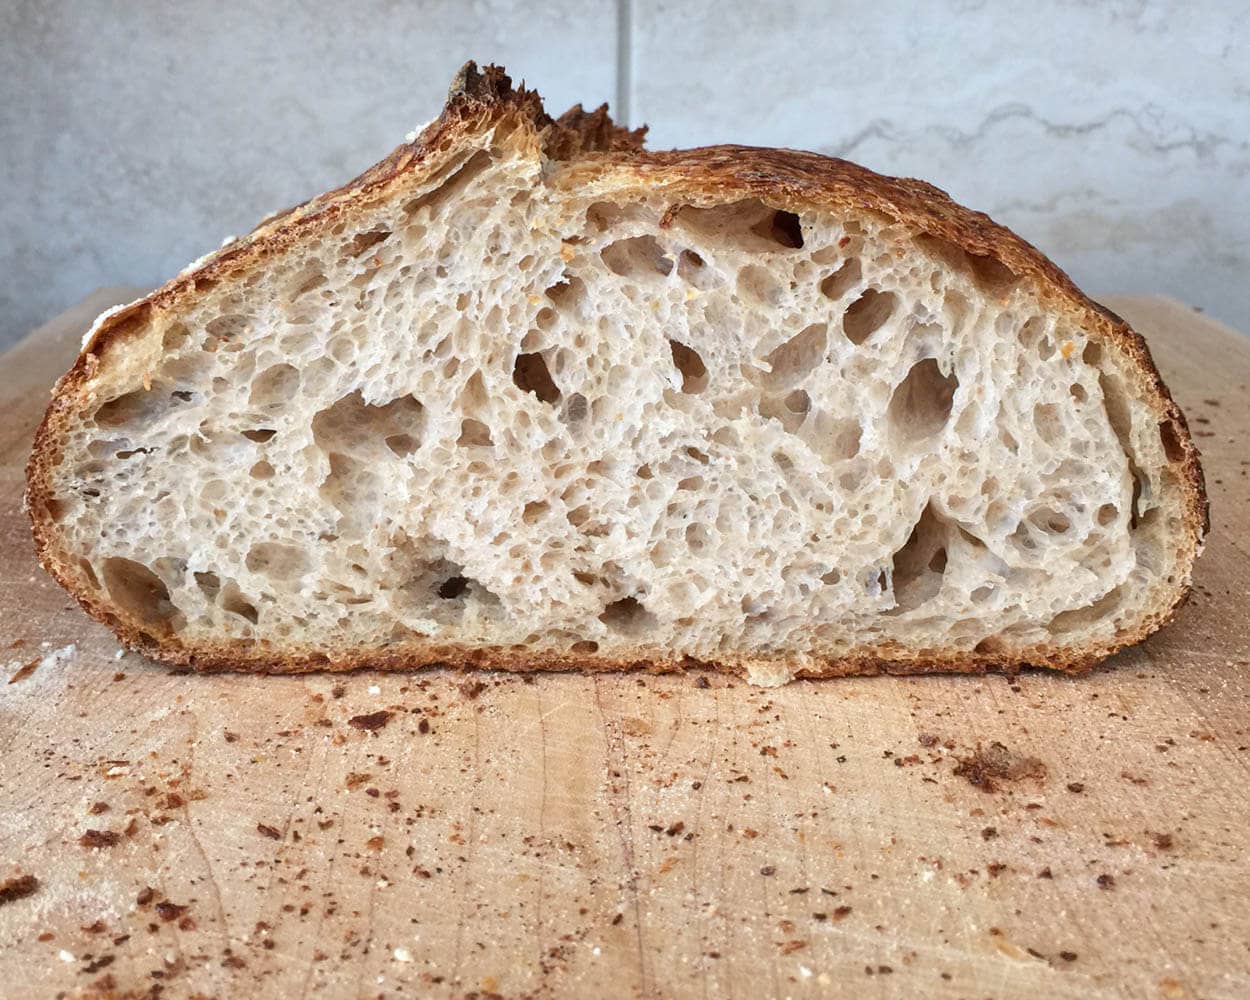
{"type": "Point", "coordinates": [920, 564]}
{"type": "Point", "coordinates": [530, 374]}
{"type": "Point", "coordinates": [692, 269]}
{"type": "Point", "coordinates": [453, 587]}
{"type": "Point", "coordinates": [921, 404]}
{"type": "Point", "coordinates": [628, 617]}
{"type": "Point", "coordinates": [867, 314]}
{"type": "Point", "coordinates": [1092, 354]}
{"type": "Point", "coordinates": [277, 561]}
{"type": "Point", "coordinates": [988, 273]}
{"type": "Point", "coordinates": [688, 362]}
{"type": "Point", "coordinates": [534, 511]}
{"type": "Point", "coordinates": [140, 593]}
{"type": "Point", "coordinates": [88, 571]}
{"type": "Point", "coordinates": [138, 407]}
{"type": "Point", "coordinates": [758, 284]}
{"type": "Point", "coordinates": [1171, 438]}
{"type": "Point", "coordinates": [798, 401]}
{"type": "Point", "coordinates": [1078, 392]}
{"type": "Point", "coordinates": [261, 470]}
{"type": "Point", "coordinates": [234, 602]}
{"type": "Point", "coordinates": [639, 256]}
{"type": "Point", "coordinates": [830, 578]}
{"type": "Point", "coordinates": [401, 445]}
{"type": "Point", "coordinates": [474, 434]}
{"type": "Point", "coordinates": [353, 427]}
{"type": "Point", "coordinates": [793, 360]}
{"type": "Point", "coordinates": [174, 337]}
{"type": "Point", "coordinates": [363, 241]}
{"type": "Point", "coordinates": [1079, 619]}
{"type": "Point", "coordinates": [568, 293]}
{"type": "Point", "coordinates": [275, 386]}
{"type": "Point", "coordinates": [584, 646]}
{"type": "Point", "coordinates": [457, 179]}
{"type": "Point", "coordinates": [225, 332]}
{"type": "Point", "coordinates": [576, 409]}
{"type": "Point", "coordinates": [1046, 421]}
{"type": "Point", "coordinates": [782, 228]}
{"type": "Point", "coordinates": [1051, 521]}
{"type": "Point", "coordinates": [843, 279]}
{"type": "Point", "coordinates": [1107, 514]}
{"type": "Point", "coordinates": [260, 434]}
{"type": "Point", "coordinates": [209, 584]}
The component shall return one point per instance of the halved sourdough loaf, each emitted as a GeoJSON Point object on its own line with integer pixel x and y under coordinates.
{"type": "Point", "coordinates": [525, 395]}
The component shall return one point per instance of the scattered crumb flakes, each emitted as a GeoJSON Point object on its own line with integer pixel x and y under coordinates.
{"type": "Point", "coordinates": [374, 689]}
{"type": "Point", "coordinates": [402, 955]}
{"type": "Point", "coordinates": [989, 765]}
{"type": "Point", "coordinates": [18, 887]}
{"type": "Point", "coordinates": [66, 956]}
{"type": "Point", "coordinates": [99, 838]}
{"type": "Point", "coordinates": [272, 832]}
{"type": "Point", "coordinates": [371, 722]}
{"type": "Point", "coordinates": [25, 671]}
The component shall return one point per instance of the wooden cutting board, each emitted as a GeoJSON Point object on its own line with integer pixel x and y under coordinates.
{"type": "Point", "coordinates": [633, 835]}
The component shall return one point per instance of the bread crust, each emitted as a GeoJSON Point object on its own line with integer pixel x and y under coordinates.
{"type": "Point", "coordinates": [582, 144]}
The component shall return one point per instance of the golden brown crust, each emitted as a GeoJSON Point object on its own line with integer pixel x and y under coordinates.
{"type": "Point", "coordinates": [590, 142]}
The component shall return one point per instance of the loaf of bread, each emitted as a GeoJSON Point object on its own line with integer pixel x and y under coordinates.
{"type": "Point", "coordinates": [525, 395]}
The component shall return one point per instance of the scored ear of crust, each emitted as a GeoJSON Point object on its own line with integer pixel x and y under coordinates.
{"type": "Point", "coordinates": [581, 144]}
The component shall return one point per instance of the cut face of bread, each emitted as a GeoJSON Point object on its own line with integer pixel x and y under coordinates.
{"type": "Point", "coordinates": [527, 396]}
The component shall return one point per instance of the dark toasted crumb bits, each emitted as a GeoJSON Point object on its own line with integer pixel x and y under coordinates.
{"type": "Point", "coordinates": [617, 919]}
{"type": "Point", "coordinates": [471, 689]}
{"type": "Point", "coordinates": [230, 737]}
{"type": "Point", "coordinates": [997, 762]}
{"type": "Point", "coordinates": [702, 682]}
{"type": "Point", "coordinates": [423, 726]}
{"type": "Point", "coordinates": [355, 779]}
{"type": "Point", "coordinates": [272, 832]}
{"type": "Point", "coordinates": [16, 888]}
{"type": "Point", "coordinates": [1076, 787]}
{"type": "Point", "coordinates": [25, 671]}
{"type": "Point", "coordinates": [989, 833]}
{"type": "Point", "coordinates": [168, 911]}
{"type": "Point", "coordinates": [99, 838]}
{"type": "Point", "coordinates": [146, 895]}
{"type": "Point", "coordinates": [103, 962]}
{"type": "Point", "coordinates": [1106, 881]}
{"type": "Point", "coordinates": [841, 913]}
{"type": "Point", "coordinates": [1163, 841]}
{"type": "Point", "coordinates": [820, 916]}
{"type": "Point", "coordinates": [371, 722]}
{"type": "Point", "coordinates": [338, 691]}
{"type": "Point", "coordinates": [1068, 956]}
{"type": "Point", "coordinates": [1045, 873]}
{"type": "Point", "coordinates": [927, 740]}
{"type": "Point", "coordinates": [675, 828]}
{"type": "Point", "coordinates": [885, 970]}
{"type": "Point", "coordinates": [995, 868]}
{"type": "Point", "coordinates": [768, 870]}
{"type": "Point", "coordinates": [98, 807]}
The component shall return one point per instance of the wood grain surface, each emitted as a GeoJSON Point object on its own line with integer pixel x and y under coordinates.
{"type": "Point", "coordinates": [456, 835]}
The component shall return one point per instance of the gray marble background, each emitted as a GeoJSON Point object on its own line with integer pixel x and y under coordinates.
{"type": "Point", "coordinates": [1115, 135]}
